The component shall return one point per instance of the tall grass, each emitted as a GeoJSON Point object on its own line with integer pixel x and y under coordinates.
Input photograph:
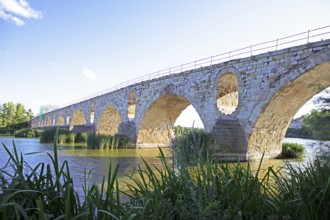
{"type": "Point", "coordinates": [96, 141]}
{"type": "Point", "coordinates": [64, 136]}
{"type": "Point", "coordinates": [207, 190]}
{"type": "Point", "coordinates": [46, 191]}
{"type": "Point", "coordinates": [190, 146]}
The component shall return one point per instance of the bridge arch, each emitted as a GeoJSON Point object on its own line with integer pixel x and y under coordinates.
{"type": "Point", "coordinates": [156, 126]}
{"type": "Point", "coordinates": [78, 118]}
{"type": "Point", "coordinates": [109, 121]}
{"type": "Point", "coordinates": [60, 120]}
{"type": "Point", "coordinates": [49, 121]}
{"type": "Point", "coordinates": [274, 119]}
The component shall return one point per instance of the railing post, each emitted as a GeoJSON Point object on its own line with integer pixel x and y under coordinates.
{"type": "Point", "coordinates": [276, 44]}
{"type": "Point", "coordinates": [251, 50]}
{"type": "Point", "coordinates": [211, 60]}
{"type": "Point", "coordinates": [181, 67]}
{"type": "Point", "coordinates": [229, 55]}
{"type": "Point", "coordinates": [195, 64]}
{"type": "Point", "coordinates": [308, 36]}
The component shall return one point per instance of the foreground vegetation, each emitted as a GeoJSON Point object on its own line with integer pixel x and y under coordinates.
{"type": "Point", "coordinates": [209, 189]}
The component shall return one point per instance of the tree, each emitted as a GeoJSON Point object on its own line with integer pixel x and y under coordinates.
{"type": "Point", "coordinates": [8, 113]}
{"type": "Point", "coordinates": [323, 101]}
{"type": "Point", "coordinates": [318, 123]}
{"type": "Point", "coordinates": [12, 114]}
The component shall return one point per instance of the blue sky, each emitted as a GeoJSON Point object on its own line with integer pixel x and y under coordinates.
{"type": "Point", "coordinates": [54, 52]}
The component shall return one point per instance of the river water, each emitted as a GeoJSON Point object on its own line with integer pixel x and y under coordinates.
{"type": "Point", "coordinates": [97, 161]}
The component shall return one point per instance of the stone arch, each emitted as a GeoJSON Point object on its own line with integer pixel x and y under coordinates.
{"type": "Point", "coordinates": [155, 129]}
{"type": "Point", "coordinates": [109, 121]}
{"type": "Point", "coordinates": [60, 120]}
{"type": "Point", "coordinates": [272, 123]}
{"type": "Point", "coordinates": [131, 106]}
{"type": "Point", "coordinates": [92, 113]}
{"type": "Point", "coordinates": [78, 118]}
{"type": "Point", "coordinates": [227, 98]}
{"type": "Point", "coordinates": [49, 121]}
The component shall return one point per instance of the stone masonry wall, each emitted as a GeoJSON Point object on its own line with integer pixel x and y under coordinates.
{"type": "Point", "coordinates": [243, 133]}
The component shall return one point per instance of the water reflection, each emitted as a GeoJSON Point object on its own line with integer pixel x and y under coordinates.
{"type": "Point", "coordinates": [98, 161]}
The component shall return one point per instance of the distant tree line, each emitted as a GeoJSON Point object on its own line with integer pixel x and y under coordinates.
{"type": "Point", "coordinates": [315, 125]}
{"type": "Point", "coordinates": [13, 117]}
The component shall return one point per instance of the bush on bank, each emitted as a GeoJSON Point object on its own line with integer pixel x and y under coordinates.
{"type": "Point", "coordinates": [292, 150]}
{"type": "Point", "coordinates": [28, 133]}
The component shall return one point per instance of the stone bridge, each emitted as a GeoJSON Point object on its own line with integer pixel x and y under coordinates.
{"type": "Point", "coordinates": [246, 104]}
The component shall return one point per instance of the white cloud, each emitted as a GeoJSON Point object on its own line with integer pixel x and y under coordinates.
{"type": "Point", "coordinates": [89, 73]}
{"type": "Point", "coordinates": [18, 7]}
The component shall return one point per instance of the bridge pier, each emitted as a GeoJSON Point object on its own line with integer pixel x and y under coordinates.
{"type": "Point", "coordinates": [230, 141]}
{"type": "Point", "coordinates": [128, 129]}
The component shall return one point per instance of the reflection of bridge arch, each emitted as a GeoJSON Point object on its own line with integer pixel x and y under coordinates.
{"type": "Point", "coordinates": [157, 123]}
{"type": "Point", "coordinates": [78, 118]}
{"type": "Point", "coordinates": [273, 122]}
{"type": "Point", "coordinates": [109, 121]}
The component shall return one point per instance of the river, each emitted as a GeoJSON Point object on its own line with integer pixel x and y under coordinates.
{"type": "Point", "coordinates": [97, 161]}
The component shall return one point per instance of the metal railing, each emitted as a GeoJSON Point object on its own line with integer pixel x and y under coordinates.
{"type": "Point", "coordinates": [280, 43]}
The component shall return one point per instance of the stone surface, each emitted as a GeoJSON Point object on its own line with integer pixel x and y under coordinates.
{"type": "Point", "coordinates": [270, 89]}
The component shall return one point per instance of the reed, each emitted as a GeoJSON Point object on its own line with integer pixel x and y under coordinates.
{"type": "Point", "coordinates": [97, 141]}
{"type": "Point", "coordinates": [208, 189]}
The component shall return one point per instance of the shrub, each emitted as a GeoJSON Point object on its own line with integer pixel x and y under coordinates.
{"type": "Point", "coordinates": [81, 137]}
{"type": "Point", "coordinates": [7, 131]}
{"type": "Point", "coordinates": [70, 138]}
{"type": "Point", "coordinates": [28, 133]}
{"type": "Point", "coordinates": [292, 150]}
{"type": "Point", "coordinates": [61, 138]}
{"type": "Point", "coordinates": [48, 135]}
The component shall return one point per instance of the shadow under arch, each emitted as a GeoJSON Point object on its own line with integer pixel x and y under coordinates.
{"type": "Point", "coordinates": [271, 125]}
{"type": "Point", "coordinates": [78, 118]}
{"type": "Point", "coordinates": [109, 121]}
{"type": "Point", "coordinates": [156, 127]}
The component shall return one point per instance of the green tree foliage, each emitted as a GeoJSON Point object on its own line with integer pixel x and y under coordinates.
{"type": "Point", "coordinates": [11, 114]}
{"type": "Point", "coordinates": [318, 122]}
